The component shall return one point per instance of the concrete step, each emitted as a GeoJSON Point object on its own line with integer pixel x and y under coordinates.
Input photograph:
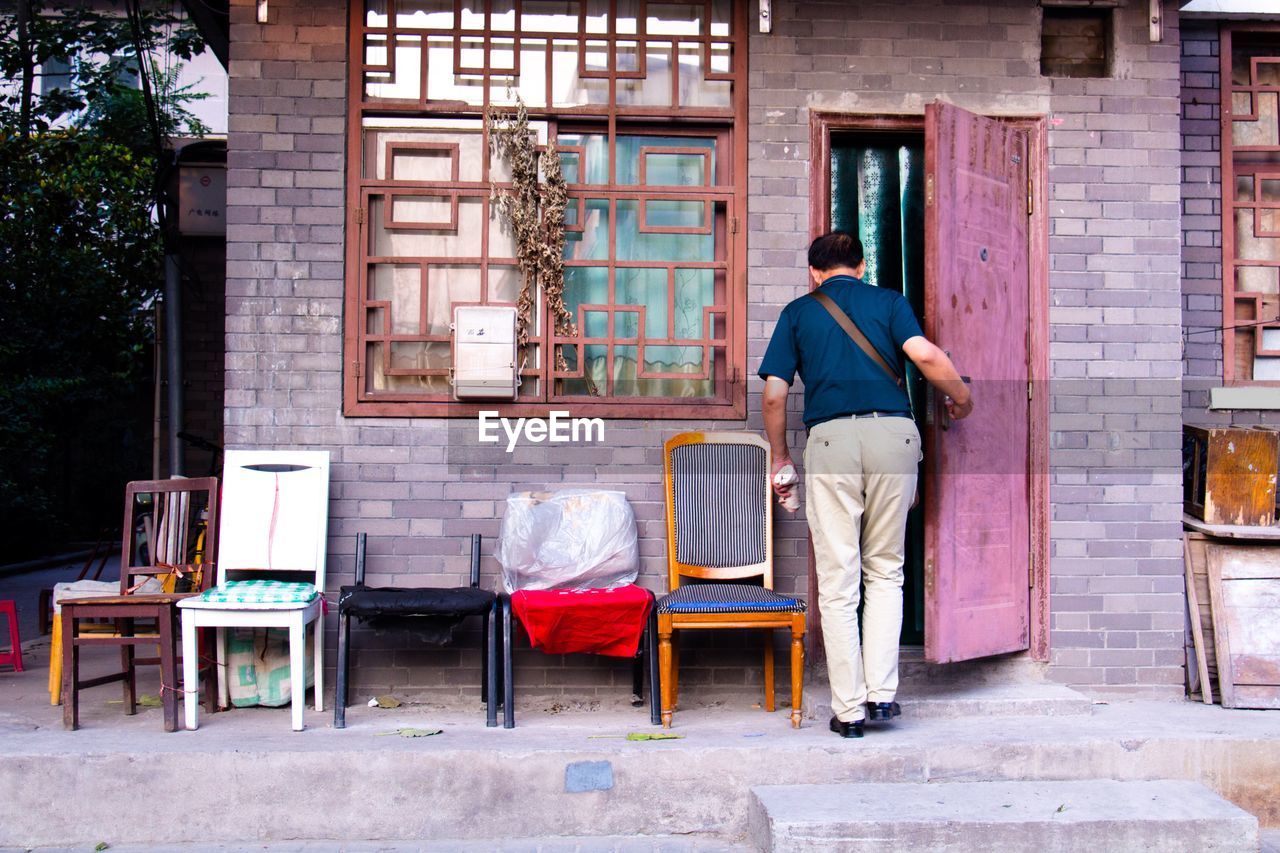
{"type": "Point", "coordinates": [931, 701]}
{"type": "Point", "coordinates": [1012, 817]}
{"type": "Point", "coordinates": [566, 774]}
{"type": "Point", "coordinates": [543, 844]}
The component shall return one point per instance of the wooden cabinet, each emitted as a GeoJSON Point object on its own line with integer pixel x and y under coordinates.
{"type": "Point", "coordinates": [1229, 474]}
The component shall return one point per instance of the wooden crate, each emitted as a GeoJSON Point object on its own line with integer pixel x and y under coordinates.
{"type": "Point", "coordinates": [1244, 592]}
{"type": "Point", "coordinates": [1229, 474]}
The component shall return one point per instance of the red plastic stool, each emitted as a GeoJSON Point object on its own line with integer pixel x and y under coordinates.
{"type": "Point", "coordinates": [13, 657]}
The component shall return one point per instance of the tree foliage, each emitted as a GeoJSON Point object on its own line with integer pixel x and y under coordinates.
{"type": "Point", "coordinates": [80, 262]}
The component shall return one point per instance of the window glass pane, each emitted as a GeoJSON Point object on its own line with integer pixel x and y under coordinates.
{"type": "Point", "coordinates": [646, 287]}
{"type": "Point", "coordinates": [400, 285]}
{"type": "Point", "coordinates": [653, 89]}
{"type": "Point", "coordinates": [687, 168]}
{"type": "Point", "coordinates": [549, 16]}
{"type": "Point", "coordinates": [424, 151]}
{"type": "Point", "coordinates": [668, 213]}
{"type": "Point", "coordinates": [446, 285]}
{"type": "Point", "coordinates": [1244, 188]}
{"type": "Point", "coordinates": [636, 245]}
{"type": "Point", "coordinates": [590, 162]}
{"type": "Point", "coordinates": [1262, 131]}
{"type": "Point", "coordinates": [1266, 368]}
{"type": "Point", "coordinates": [592, 244]}
{"type": "Point", "coordinates": [695, 89]}
{"type": "Point", "coordinates": [676, 19]}
{"type": "Point", "coordinates": [424, 14]}
{"type": "Point", "coordinates": [1258, 280]}
{"type": "Point", "coordinates": [464, 241]}
{"type": "Point", "coordinates": [1250, 246]}
{"type": "Point", "coordinates": [695, 290]}
{"type": "Point", "coordinates": [1270, 190]}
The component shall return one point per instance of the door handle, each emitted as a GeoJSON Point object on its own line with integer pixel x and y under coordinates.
{"type": "Point", "coordinates": [946, 417]}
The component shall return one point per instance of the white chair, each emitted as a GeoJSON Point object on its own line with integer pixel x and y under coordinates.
{"type": "Point", "coordinates": [274, 524]}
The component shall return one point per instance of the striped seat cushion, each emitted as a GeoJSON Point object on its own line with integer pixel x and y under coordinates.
{"type": "Point", "coordinates": [253, 595]}
{"type": "Point", "coordinates": [728, 598]}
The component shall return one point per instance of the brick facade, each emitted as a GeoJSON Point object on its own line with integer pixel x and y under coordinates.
{"type": "Point", "coordinates": [1114, 146]}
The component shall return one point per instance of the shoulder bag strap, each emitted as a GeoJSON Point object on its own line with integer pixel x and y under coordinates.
{"type": "Point", "coordinates": [851, 328]}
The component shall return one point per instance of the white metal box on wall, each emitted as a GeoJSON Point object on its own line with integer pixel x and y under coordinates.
{"type": "Point", "coordinates": [484, 353]}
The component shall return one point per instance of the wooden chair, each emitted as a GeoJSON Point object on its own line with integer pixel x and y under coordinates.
{"type": "Point", "coordinates": [275, 510]}
{"type": "Point", "coordinates": [182, 516]}
{"type": "Point", "coordinates": [720, 554]}
{"type": "Point", "coordinates": [386, 606]}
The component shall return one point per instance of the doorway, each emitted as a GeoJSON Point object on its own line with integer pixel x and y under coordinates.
{"type": "Point", "coordinates": [951, 208]}
{"type": "Point", "coordinates": [877, 194]}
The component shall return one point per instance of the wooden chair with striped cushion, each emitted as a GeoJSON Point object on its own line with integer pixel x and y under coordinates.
{"type": "Point", "coordinates": [720, 554]}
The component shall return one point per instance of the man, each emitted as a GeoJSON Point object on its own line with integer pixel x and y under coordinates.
{"type": "Point", "coordinates": [860, 462]}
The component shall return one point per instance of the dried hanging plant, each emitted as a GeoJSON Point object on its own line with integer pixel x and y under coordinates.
{"type": "Point", "coordinates": [534, 211]}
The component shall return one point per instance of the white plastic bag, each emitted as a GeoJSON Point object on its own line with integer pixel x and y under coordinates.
{"type": "Point", "coordinates": [571, 539]}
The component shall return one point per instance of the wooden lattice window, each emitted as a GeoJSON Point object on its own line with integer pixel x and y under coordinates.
{"type": "Point", "coordinates": [1251, 203]}
{"type": "Point", "coordinates": [646, 102]}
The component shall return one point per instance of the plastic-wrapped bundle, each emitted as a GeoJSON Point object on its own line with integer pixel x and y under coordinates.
{"type": "Point", "coordinates": [571, 539]}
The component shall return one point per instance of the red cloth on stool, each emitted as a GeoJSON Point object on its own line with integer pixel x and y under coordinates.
{"type": "Point", "coordinates": [599, 621]}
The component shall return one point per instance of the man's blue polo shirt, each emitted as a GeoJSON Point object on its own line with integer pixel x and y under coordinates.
{"type": "Point", "coordinates": [839, 378]}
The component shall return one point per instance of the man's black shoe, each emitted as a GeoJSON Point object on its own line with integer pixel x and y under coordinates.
{"type": "Point", "coordinates": [878, 711]}
{"type": "Point", "coordinates": [844, 729]}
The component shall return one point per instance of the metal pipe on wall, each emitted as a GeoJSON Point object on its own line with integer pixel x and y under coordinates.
{"type": "Point", "coordinates": [173, 359]}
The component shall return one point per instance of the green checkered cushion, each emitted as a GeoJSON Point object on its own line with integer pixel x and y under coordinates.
{"type": "Point", "coordinates": [254, 594]}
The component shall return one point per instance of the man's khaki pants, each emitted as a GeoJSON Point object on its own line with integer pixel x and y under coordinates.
{"type": "Point", "coordinates": [860, 476]}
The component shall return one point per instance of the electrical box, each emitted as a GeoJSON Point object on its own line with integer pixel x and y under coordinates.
{"type": "Point", "coordinates": [484, 353]}
{"type": "Point", "coordinates": [202, 199]}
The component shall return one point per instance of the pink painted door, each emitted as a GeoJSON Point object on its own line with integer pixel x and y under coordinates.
{"type": "Point", "coordinates": [977, 512]}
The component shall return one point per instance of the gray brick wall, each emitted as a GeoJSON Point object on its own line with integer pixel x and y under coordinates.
{"type": "Point", "coordinates": [1201, 217]}
{"type": "Point", "coordinates": [1114, 241]}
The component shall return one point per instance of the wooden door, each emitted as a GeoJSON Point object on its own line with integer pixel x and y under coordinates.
{"type": "Point", "coordinates": [977, 497]}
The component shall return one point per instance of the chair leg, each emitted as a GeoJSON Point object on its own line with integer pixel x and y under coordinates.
{"type": "Point", "coordinates": [491, 665]}
{"type": "Point", "coordinates": [55, 661]}
{"type": "Point", "coordinates": [190, 672]}
{"type": "Point", "coordinates": [297, 670]}
{"type": "Point", "coordinates": [207, 663]}
{"type": "Point", "coordinates": [340, 689]}
{"type": "Point", "coordinates": [797, 672]}
{"type": "Point", "coordinates": [220, 655]}
{"type": "Point", "coordinates": [70, 674]}
{"type": "Point", "coordinates": [651, 664]}
{"type": "Point", "coordinates": [675, 671]}
{"type": "Point", "coordinates": [484, 658]}
{"type": "Point", "coordinates": [318, 659]}
{"type": "Point", "coordinates": [168, 671]}
{"type": "Point", "coordinates": [508, 684]}
{"type": "Point", "coordinates": [637, 675]}
{"type": "Point", "coordinates": [130, 683]}
{"type": "Point", "coordinates": [770, 699]}
{"type": "Point", "coordinates": [666, 668]}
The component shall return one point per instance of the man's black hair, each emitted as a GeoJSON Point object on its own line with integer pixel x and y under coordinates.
{"type": "Point", "coordinates": [837, 249]}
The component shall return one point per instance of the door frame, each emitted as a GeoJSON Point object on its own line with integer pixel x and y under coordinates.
{"type": "Point", "coordinates": [821, 126]}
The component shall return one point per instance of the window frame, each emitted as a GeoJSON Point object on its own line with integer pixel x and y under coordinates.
{"type": "Point", "coordinates": [727, 123]}
{"type": "Point", "coordinates": [1229, 203]}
